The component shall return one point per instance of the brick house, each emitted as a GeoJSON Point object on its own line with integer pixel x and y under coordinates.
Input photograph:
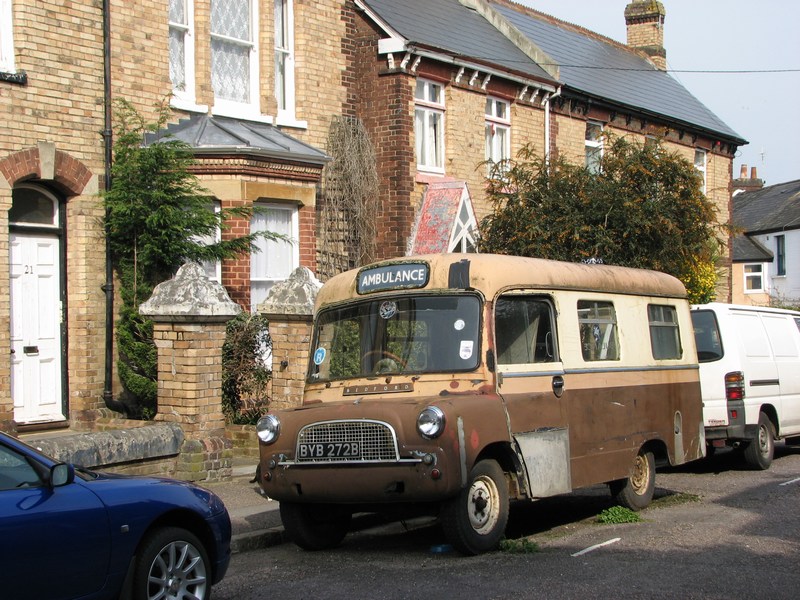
{"type": "Point", "coordinates": [468, 81]}
{"type": "Point", "coordinates": [440, 86]}
{"type": "Point", "coordinates": [252, 90]}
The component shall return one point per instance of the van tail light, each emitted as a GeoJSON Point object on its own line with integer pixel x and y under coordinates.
{"type": "Point", "coordinates": [734, 385]}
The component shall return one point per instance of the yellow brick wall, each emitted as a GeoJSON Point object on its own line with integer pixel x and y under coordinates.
{"type": "Point", "coordinates": [464, 141]}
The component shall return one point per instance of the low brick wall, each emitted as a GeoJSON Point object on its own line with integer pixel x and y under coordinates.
{"type": "Point", "coordinates": [244, 440]}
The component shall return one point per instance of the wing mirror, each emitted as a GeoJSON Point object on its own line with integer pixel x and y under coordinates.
{"type": "Point", "coordinates": [61, 474]}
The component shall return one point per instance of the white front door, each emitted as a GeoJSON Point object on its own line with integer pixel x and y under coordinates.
{"type": "Point", "coordinates": [36, 371]}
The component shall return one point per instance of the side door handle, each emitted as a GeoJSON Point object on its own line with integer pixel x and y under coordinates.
{"type": "Point", "coordinates": [558, 385]}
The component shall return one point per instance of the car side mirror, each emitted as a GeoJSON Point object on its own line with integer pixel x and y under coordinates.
{"type": "Point", "coordinates": [61, 474]}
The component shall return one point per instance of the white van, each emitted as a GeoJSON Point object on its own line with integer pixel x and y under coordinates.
{"type": "Point", "coordinates": [749, 376]}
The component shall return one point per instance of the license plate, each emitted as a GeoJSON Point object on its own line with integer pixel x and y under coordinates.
{"type": "Point", "coordinates": [328, 450]}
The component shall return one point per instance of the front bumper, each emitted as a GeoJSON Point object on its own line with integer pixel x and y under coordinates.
{"type": "Point", "coordinates": [408, 480]}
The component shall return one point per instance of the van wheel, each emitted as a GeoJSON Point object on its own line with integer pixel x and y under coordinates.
{"type": "Point", "coordinates": [636, 491]}
{"type": "Point", "coordinates": [315, 526]}
{"type": "Point", "coordinates": [475, 520]}
{"type": "Point", "coordinates": [759, 452]}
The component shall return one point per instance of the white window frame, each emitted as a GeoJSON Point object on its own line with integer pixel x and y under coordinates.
{"type": "Point", "coordinates": [498, 146]}
{"type": "Point", "coordinates": [256, 297]}
{"type": "Point", "coordinates": [6, 37]}
{"type": "Point", "coordinates": [213, 269]}
{"type": "Point", "coordinates": [249, 109]}
{"type": "Point", "coordinates": [593, 146]}
{"type": "Point", "coordinates": [287, 110]}
{"type": "Point", "coordinates": [429, 110]}
{"type": "Point", "coordinates": [186, 99]}
{"type": "Point", "coordinates": [780, 255]}
{"type": "Point", "coordinates": [760, 275]}
{"type": "Point", "coordinates": [463, 234]}
{"type": "Point", "coordinates": [701, 165]}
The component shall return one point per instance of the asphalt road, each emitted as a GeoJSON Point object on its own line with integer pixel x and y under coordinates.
{"type": "Point", "coordinates": [715, 530]}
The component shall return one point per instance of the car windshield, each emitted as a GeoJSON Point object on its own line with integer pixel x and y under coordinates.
{"type": "Point", "coordinates": [408, 334]}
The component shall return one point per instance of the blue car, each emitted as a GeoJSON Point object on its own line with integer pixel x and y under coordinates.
{"type": "Point", "coordinates": [70, 533]}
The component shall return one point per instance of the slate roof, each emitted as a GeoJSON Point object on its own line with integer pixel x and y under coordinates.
{"type": "Point", "coordinates": [588, 63]}
{"type": "Point", "coordinates": [746, 249]}
{"type": "Point", "coordinates": [772, 208]}
{"type": "Point", "coordinates": [454, 29]}
{"type": "Point", "coordinates": [605, 69]}
{"type": "Point", "coordinates": [211, 134]}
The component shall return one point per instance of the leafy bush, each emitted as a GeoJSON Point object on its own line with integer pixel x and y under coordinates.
{"type": "Point", "coordinates": [245, 373]}
{"type": "Point", "coordinates": [645, 208]}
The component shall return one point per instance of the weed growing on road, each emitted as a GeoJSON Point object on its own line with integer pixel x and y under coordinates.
{"type": "Point", "coordinates": [678, 498]}
{"type": "Point", "coordinates": [618, 514]}
{"type": "Point", "coordinates": [520, 546]}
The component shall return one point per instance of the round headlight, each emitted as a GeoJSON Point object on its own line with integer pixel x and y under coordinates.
{"type": "Point", "coordinates": [268, 428]}
{"type": "Point", "coordinates": [430, 422]}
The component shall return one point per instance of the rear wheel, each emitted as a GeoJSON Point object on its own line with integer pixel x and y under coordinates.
{"type": "Point", "coordinates": [636, 491]}
{"type": "Point", "coordinates": [475, 520]}
{"type": "Point", "coordinates": [315, 526]}
{"type": "Point", "coordinates": [759, 452]}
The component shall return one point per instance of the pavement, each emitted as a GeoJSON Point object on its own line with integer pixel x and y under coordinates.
{"type": "Point", "coordinates": [255, 519]}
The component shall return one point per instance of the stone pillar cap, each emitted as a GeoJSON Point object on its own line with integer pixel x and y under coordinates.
{"type": "Point", "coordinates": [294, 296]}
{"type": "Point", "coordinates": [190, 296]}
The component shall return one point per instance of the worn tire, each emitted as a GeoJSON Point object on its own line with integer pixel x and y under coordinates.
{"type": "Point", "coordinates": [172, 563]}
{"type": "Point", "coordinates": [315, 526]}
{"type": "Point", "coordinates": [636, 491]}
{"type": "Point", "coordinates": [759, 452]}
{"type": "Point", "coordinates": [475, 520]}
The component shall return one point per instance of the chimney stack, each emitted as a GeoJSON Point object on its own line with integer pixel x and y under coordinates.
{"type": "Point", "coordinates": [745, 184]}
{"type": "Point", "coordinates": [645, 23]}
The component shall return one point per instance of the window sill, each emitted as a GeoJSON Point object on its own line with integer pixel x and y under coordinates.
{"type": "Point", "coordinates": [290, 122]}
{"type": "Point", "coordinates": [244, 113]}
{"type": "Point", "coordinates": [187, 105]}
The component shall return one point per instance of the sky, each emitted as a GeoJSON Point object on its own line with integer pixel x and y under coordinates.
{"type": "Point", "coordinates": [717, 37]}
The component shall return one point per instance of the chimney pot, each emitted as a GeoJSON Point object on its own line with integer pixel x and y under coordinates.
{"type": "Point", "coordinates": [743, 172]}
{"type": "Point", "coordinates": [753, 174]}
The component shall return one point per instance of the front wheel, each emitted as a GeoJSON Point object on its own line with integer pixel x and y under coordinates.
{"type": "Point", "coordinates": [475, 520]}
{"type": "Point", "coordinates": [315, 526]}
{"type": "Point", "coordinates": [172, 563]}
{"type": "Point", "coordinates": [759, 452]}
{"type": "Point", "coordinates": [636, 491]}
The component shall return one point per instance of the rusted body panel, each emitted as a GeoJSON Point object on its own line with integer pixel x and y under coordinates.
{"type": "Point", "coordinates": [474, 418]}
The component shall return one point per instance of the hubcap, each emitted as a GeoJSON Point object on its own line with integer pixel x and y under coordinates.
{"type": "Point", "coordinates": [641, 475]}
{"type": "Point", "coordinates": [763, 440]}
{"type": "Point", "coordinates": [483, 505]}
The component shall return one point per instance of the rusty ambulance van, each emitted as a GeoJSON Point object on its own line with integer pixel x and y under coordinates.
{"type": "Point", "coordinates": [462, 382]}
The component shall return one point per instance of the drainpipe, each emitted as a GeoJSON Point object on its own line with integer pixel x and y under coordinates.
{"type": "Point", "coordinates": [547, 125]}
{"type": "Point", "coordinates": [108, 286]}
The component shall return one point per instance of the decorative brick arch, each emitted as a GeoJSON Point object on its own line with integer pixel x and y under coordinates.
{"type": "Point", "coordinates": [69, 174]}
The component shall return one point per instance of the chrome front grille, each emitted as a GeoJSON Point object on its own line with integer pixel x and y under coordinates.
{"type": "Point", "coordinates": [347, 441]}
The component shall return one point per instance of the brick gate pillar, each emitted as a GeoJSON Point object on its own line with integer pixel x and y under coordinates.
{"type": "Point", "coordinates": [189, 313]}
{"type": "Point", "coordinates": [290, 310]}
